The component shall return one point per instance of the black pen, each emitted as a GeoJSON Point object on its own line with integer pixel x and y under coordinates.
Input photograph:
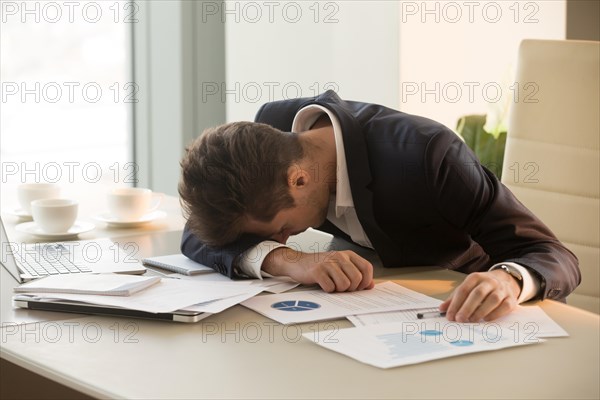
{"type": "Point", "coordinates": [430, 314]}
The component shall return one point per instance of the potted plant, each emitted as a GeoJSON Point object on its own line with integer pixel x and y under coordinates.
{"type": "Point", "coordinates": [487, 142]}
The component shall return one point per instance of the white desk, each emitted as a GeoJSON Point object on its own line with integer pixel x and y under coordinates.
{"type": "Point", "coordinates": [240, 354]}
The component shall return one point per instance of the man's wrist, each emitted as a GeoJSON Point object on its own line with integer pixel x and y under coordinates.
{"type": "Point", "coordinates": [277, 262]}
{"type": "Point", "coordinates": [514, 282]}
{"type": "Point", "coordinates": [514, 273]}
{"type": "Point", "coordinates": [530, 282]}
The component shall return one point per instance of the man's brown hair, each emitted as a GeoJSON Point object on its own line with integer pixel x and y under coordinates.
{"type": "Point", "coordinates": [235, 171]}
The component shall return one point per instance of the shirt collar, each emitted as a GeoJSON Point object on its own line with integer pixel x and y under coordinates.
{"type": "Point", "coordinates": [303, 120]}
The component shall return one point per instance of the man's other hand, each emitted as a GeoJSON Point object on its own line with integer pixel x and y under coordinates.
{"type": "Point", "coordinates": [482, 296]}
{"type": "Point", "coordinates": [334, 271]}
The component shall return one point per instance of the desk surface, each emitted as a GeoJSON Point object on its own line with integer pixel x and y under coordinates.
{"type": "Point", "coordinates": [241, 354]}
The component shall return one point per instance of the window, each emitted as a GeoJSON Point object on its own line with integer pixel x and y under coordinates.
{"type": "Point", "coordinates": [67, 92]}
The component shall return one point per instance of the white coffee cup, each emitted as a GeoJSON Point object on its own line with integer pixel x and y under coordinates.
{"type": "Point", "coordinates": [28, 192]}
{"type": "Point", "coordinates": [130, 204]}
{"type": "Point", "coordinates": [54, 215]}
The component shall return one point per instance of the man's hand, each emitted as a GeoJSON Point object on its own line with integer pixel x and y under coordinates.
{"type": "Point", "coordinates": [482, 295]}
{"type": "Point", "coordinates": [334, 271]}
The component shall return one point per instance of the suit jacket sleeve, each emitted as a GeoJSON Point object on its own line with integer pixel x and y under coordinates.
{"type": "Point", "coordinates": [471, 198]}
{"type": "Point", "coordinates": [221, 259]}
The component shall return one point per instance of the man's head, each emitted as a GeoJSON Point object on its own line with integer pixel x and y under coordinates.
{"type": "Point", "coordinates": [246, 177]}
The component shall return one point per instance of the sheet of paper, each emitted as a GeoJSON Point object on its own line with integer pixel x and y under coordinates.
{"type": "Point", "coordinates": [216, 306]}
{"type": "Point", "coordinates": [166, 296]}
{"type": "Point", "coordinates": [275, 284]}
{"type": "Point", "coordinates": [212, 277]}
{"type": "Point", "coordinates": [531, 320]}
{"type": "Point", "coordinates": [388, 317]}
{"type": "Point", "coordinates": [316, 305]}
{"type": "Point", "coordinates": [281, 287]}
{"type": "Point", "coordinates": [410, 342]}
{"type": "Point", "coordinates": [101, 284]}
{"type": "Point", "coordinates": [272, 285]}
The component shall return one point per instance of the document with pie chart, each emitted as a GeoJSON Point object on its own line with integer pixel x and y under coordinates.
{"type": "Point", "coordinates": [317, 305]}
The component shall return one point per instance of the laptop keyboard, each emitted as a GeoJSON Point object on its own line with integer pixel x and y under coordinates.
{"type": "Point", "coordinates": [37, 264]}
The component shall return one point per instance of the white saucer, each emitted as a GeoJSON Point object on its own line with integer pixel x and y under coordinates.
{"type": "Point", "coordinates": [117, 223]}
{"type": "Point", "coordinates": [20, 213]}
{"type": "Point", "coordinates": [31, 228]}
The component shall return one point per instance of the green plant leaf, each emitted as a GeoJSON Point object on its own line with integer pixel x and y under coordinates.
{"type": "Point", "coordinates": [488, 148]}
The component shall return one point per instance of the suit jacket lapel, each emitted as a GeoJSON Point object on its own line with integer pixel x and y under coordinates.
{"type": "Point", "coordinates": [359, 173]}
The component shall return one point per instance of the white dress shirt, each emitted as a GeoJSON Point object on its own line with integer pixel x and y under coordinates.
{"type": "Point", "coordinates": [342, 212]}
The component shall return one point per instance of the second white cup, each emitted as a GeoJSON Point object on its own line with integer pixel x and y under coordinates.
{"type": "Point", "coordinates": [130, 204]}
{"type": "Point", "coordinates": [54, 215]}
{"type": "Point", "coordinates": [28, 192]}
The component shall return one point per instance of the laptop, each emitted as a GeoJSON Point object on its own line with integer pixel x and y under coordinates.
{"type": "Point", "coordinates": [36, 260]}
{"type": "Point", "coordinates": [53, 252]}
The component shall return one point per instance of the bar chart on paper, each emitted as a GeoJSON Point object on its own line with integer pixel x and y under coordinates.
{"type": "Point", "coordinates": [400, 345]}
{"type": "Point", "coordinates": [397, 344]}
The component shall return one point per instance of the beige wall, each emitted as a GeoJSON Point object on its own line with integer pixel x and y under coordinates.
{"type": "Point", "coordinates": [454, 56]}
{"type": "Point", "coordinates": [302, 48]}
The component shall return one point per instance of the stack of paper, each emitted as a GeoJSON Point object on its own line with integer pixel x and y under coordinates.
{"type": "Point", "coordinates": [388, 332]}
{"type": "Point", "coordinates": [98, 284]}
{"type": "Point", "coordinates": [166, 296]}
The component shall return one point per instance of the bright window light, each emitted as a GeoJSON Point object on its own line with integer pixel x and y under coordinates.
{"type": "Point", "coordinates": [67, 91]}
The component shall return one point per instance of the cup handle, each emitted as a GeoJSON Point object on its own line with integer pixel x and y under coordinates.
{"type": "Point", "coordinates": [157, 199]}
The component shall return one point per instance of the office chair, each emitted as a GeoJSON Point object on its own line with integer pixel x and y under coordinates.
{"type": "Point", "coordinates": [552, 153]}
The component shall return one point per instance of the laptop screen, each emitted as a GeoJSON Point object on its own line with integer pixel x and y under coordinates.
{"type": "Point", "coordinates": [7, 259]}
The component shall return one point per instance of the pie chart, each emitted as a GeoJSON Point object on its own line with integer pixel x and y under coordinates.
{"type": "Point", "coordinates": [295, 305]}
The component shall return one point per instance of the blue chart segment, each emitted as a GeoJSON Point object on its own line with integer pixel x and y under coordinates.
{"type": "Point", "coordinates": [295, 305]}
{"type": "Point", "coordinates": [462, 343]}
{"type": "Point", "coordinates": [431, 332]}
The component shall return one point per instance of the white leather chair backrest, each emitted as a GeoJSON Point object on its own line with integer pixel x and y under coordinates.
{"type": "Point", "coordinates": [552, 152]}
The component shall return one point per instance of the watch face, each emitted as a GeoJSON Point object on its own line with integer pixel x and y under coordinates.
{"type": "Point", "coordinates": [512, 272]}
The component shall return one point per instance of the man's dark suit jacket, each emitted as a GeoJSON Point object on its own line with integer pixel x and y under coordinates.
{"type": "Point", "coordinates": [422, 198]}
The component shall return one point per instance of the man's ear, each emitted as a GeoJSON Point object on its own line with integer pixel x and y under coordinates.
{"type": "Point", "coordinates": [298, 178]}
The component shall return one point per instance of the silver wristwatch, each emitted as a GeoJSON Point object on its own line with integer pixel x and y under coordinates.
{"type": "Point", "coordinates": [512, 272]}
